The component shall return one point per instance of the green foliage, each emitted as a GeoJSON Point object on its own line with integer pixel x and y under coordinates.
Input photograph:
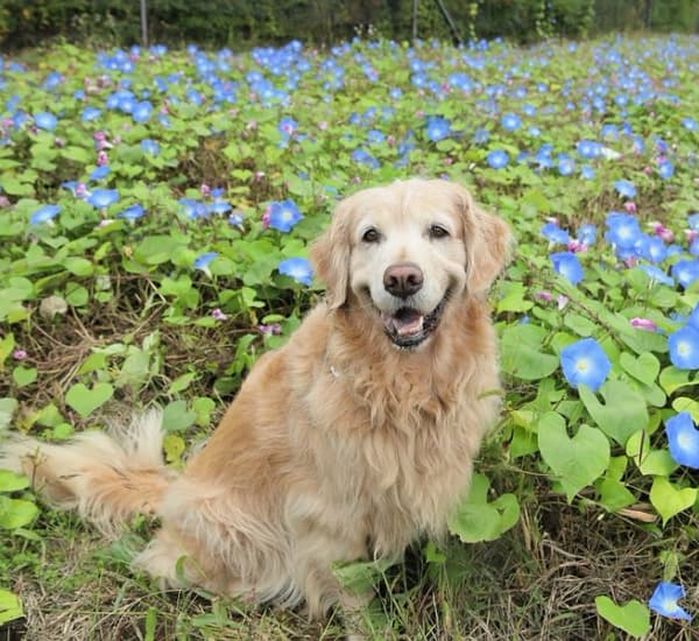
{"type": "Point", "coordinates": [632, 617]}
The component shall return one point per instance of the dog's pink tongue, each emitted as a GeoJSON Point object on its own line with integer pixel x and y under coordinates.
{"type": "Point", "coordinates": [405, 322]}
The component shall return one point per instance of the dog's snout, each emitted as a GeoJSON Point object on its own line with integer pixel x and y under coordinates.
{"type": "Point", "coordinates": [403, 279]}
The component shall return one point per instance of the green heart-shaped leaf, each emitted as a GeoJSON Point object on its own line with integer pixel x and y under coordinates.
{"type": "Point", "coordinates": [576, 461]}
{"type": "Point", "coordinates": [477, 520]}
{"type": "Point", "coordinates": [645, 368]}
{"type": "Point", "coordinates": [672, 379]}
{"type": "Point", "coordinates": [15, 513]}
{"type": "Point", "coordinates": [521, 353]}
{"type": "Point", "coordinates": [85, 401]}
{"type": "Point", "coordinates": [10, 607]}
{"type": "Point", "coordinates": [633, 617]}
{"type": "Point", "coordinates": [623, 413]}
{"type": "Point", "coordinates": [24, 375]}
{"type": "Point", "coordinates": [669, 500]}
{"type": "Point", "coordinates": [11, 482]}
{"type": "Point", "coordinates": [651, 462]}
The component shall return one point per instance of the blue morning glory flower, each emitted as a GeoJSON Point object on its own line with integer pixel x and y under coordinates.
{"type": "Point", "coordinates": [150, 147]}
{"type": "Point", "coordinates": [625, 188]}
{"type": "Point", "coordinates": [664, 601]}
{"type": "Point", "coordinates": [693, 221]}
{"type": "Point", "coordinates": [585, 363]}
{"type": "Point", "coordinates": [684, 348]}
{"type": "Point", "coordinates": [438, 128]}
{"type": "Point", "coordinates": [101, 198]}
{"type": "Point", "coordinates": [587, 172]}
{"type": "Point", "coordinates": [142, 111]}
{"type": "Point", "coordinates": [657, 275]}
{"type": "Point", "coordinates": [498, 159]}
{"type": "Point", "coordinates": [375, 137]}
{"type": "Point", "coordinates": [588, 148]}
{"type": "Point", "coordinates": [587, 234]}
{"type": "Point", "coordinates": [46, 121]}
{"type": "Point", "coordinates": [686, 272]}
{"type": "Point", "coordinates": [511, 122]}
{"type": "Point", "coordinates": [553, 233]}
{"type": "Point", "coordinates": [193, 209]}
{"type": "Point", "coordinates": [363, 157]}
{"type": "Point", "coordinates": [623, 230]}
{"type": "Point", "coordinates": [219, 207]}
{"type": "Point", "coordinates": [568, 265]}
{"type": "Point", "coordinates": [287, 126]}
{"type": "Point", "coordinates": [566, 166]}
{"type": "Point", "coordinates": [284, 215]}
{"type": "Point", "coordinates": [204, 260]}
{"type": "Point", "coordinates": [132, 213]}
{"type": "Point", "coordinates": [694, 317]}
{"type": "Point", "coordinates": [44, 214]}
{"type": "Point", "coordinates": [90, 113]}
{"type": "Point", "coordinates": [297, 268]}
{"type": "Point", "coordinates": [666, 170]}
{"type": "Point", "coordinates": [683, 439]}
{"type": "Point", "coordinates": [690, 123]}
{"type": "Point", "coordinates": [481, 136]}
{"type": "Point", "coordinates": [100, 172]}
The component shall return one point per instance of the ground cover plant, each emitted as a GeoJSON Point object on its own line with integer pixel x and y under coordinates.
{"type": "Point", "coordinates": [155, 211]}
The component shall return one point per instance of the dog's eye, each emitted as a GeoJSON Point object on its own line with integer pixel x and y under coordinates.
{"type": "Point", "coordinates": [437, 231]}
{"type": "Point", "coordinates": [371, 235]}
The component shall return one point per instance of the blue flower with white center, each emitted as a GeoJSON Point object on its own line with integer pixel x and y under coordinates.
{"type": "Point", "coordinates": [625, 188]}
{"type": "Point", "coordinates": [553, 233]}
{"type": "Point", "coordinates": [44, 214]}
{"type": "Point", "coordinates": [693, 221]}
{"type": "Point", "coordinates": [132, 213]}
{"type": "Point", "coordinates": [46, 121]}
{"type": "Point", "coordinates": [585, 363]}
{"type": "Point", "coordinates": [511, 122]}
{"type": "Point", "coordinates": [587, 172]}
{"type": "Point", "coordinates": [142, 111]}
{"type": "Point", "coordinates": [375, 137]}
{"type": "Point", "coordinates": [90, 113]}
{"type": "Point", "coordinates": [193, 209]}
{"type": "Point", "coordinates": [438, 128]}
{"type": "Point", "coordinates": [568, 265]}
{"type": "Point", "coordinates": [534, 131]}
{"type": "Point", "coordinates": [102, 198]}
{"type": "Point", "coordinates": [683, 439]}
{"type": "Point", "coordinates": [657, 275]}
{"type": "Point", "coordinates": [686, 272]}
{"type": "Point", "coordinates": [236, 219]}
{"type": "Point", "coordinates": [664, 601]}
{"type": "Point", "coordinates": [204, 260]}
{"type": "Point", "coordinates": [481, 136]}
{"type": "Point", "coordinates": [100, 172]}
{"type": "Point", "coordinates": [297, 268]}
{"type": "Point", "coordinates": [666, 170]}
{"type": "Point", "coordinates": [566, 166]}
{"type": "Point", "coordinates": [690, 123]}
{"type": "Point", "coordinates": [498, 159]}
{"type": "Point", "coordinates": [150, 147]}
{"type": "Point", "coordinates": [219, 207]}
{"type": "Point", "coordinates": [587, 234]}
{"type": "Point", "coordinates": [588, 148]}
{"type": "Point", "coordinates": [284, 215]}
{"type": "Point", "coordinates": [684, 348]}
{"type": "Point", "coordinates": [623, 230]}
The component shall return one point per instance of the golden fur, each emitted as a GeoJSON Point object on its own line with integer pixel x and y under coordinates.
{"type": "Point", "coordinates": [339, 446]}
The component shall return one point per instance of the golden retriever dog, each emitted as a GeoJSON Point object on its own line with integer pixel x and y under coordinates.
{"type": "Point", "coordinates": [347, 443]}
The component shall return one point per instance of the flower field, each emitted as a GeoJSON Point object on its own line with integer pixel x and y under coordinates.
{"type": "Point", "coordinates": [155, 212]}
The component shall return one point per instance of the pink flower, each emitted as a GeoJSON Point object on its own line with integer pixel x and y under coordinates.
{"type": "Point", "coordinates": [205, 190]}
{"type": "Point", "coordinates": [691, 234]}
{"type": "Point", "coordinates": [81, 191]}
{"type": "Point", "coordinates": [576, 246]}
{"type": "Point", "coordinates": [631, 261]}
{"type": "Point", "coordinates": [630, 206]}
{"type": "Point", "coordinates": [274, 329]}
{"type": "Point", "coordinates": [218, 314]}
{"type": "Point", "coordinates": [4, 201]}
{"type": "Point", "coordinates": [265, 218]}
{"type": "Point", "coordinates": [544, 295]}
{"type": "Point", "coordinates": [19, 354]}
{"type": "Point", "coordinates": [322, 125]}
{"type": "Point", "coordinates": [663, 232]}
{"type": "Point", "coordinates": [644, 324]}
{"type": "Point", "coordinates": [448, 161]}
{"type": "Point", "coordinates": [102, 158]}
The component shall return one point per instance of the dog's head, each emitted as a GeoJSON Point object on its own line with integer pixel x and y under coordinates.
{"type": "Point", "coordinates": [406, 251]}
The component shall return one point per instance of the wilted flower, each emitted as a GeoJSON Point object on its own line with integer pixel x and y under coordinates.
{"type": "Point", "coordinates": [19, 354]}
{"type": "Point", "coordinates": [218, 314]}
{"type": "Point", "coordinates": [645, 324]}
{"type": "Point", "coordinates": [664, 601]}
{"type": "Point", "coordinates": [272, 329]}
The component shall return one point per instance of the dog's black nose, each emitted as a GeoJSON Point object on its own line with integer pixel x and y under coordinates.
{"type": "Point", "coordinates": [403, 279]}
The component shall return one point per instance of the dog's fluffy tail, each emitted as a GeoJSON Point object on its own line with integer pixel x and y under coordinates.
{"type": "Point", "coordinates": [106, 477]}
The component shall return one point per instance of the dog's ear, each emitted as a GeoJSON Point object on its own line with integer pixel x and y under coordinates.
{"type": "Point", "coordinates": [488, 245]}
{"type": "Point", "coordinates": [330, 255]}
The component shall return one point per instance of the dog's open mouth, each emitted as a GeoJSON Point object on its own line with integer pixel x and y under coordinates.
{"type": "Point", "coordinates": [408, 327]}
